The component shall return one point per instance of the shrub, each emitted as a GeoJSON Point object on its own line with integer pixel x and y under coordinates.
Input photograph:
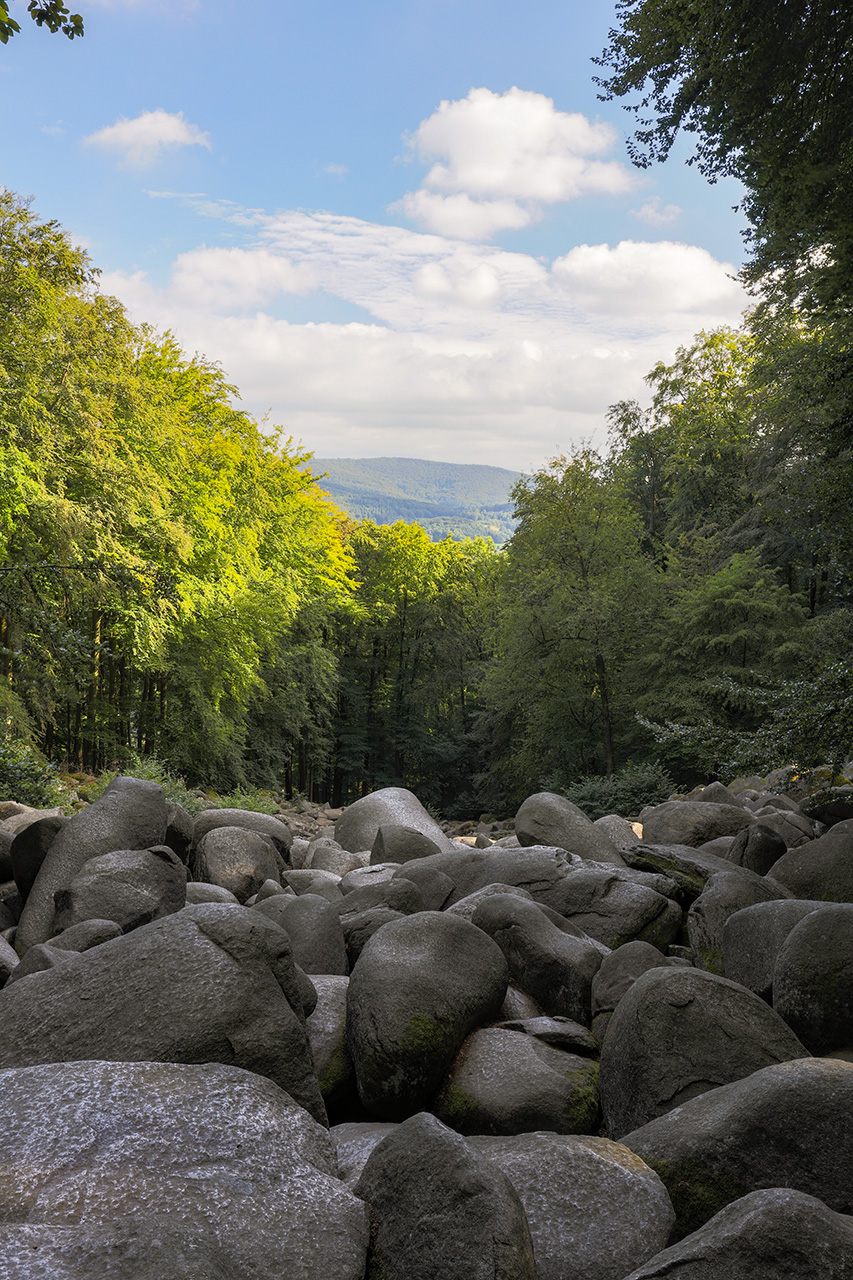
{"type": "Point", "coordinates": [27, 777]}
{"type": "Point", "coordinates": [625, 792]}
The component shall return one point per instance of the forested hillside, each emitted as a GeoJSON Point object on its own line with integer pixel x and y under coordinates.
{"type": "Point", "coordinates": [172, 583]}
{"type": "Point", "coordinates": [447, 499]}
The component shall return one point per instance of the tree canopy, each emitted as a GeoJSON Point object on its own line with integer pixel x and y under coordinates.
{"type": "Point", "coordinates": [52, 14]}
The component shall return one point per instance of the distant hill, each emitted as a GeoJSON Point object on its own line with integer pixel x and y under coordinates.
{"type": "Point", "coordinates": [449, 499]}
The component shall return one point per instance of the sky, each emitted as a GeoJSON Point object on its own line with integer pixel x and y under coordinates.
{"type": "Point", "coordinates": [403, 229]}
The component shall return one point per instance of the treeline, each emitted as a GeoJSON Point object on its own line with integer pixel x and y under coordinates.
{"type": "Point", "coordinates": [174, 584]}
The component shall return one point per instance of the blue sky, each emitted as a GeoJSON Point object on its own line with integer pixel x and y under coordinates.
{"type": "Point", "coordinates": [407, 229]}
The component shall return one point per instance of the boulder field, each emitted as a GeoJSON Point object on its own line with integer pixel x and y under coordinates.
{"type": "Point", "coordinates": [571, 1053]}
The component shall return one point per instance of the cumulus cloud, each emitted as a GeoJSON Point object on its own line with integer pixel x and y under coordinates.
{"type": "Point", "coordinates": [467, 350]}
{"type": "Point", "coordinates": [336, 170]}
{"type": "Point", "coordinates": [141, 141]}
{"type": "Point", "coordinates": [657, 214]}
{"type": "Point", "coordinates": [507, 155]}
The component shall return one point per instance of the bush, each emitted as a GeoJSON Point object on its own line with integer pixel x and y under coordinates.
{"type": "Point", "coordinates": [625, 792]}
{"type": "Point", "coordinates": [27, 777]}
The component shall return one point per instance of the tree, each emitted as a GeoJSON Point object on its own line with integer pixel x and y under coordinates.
{"type": "Point", "coordinates": [769, 98]}
{"type": "Point", "coordinates": [52, 14]}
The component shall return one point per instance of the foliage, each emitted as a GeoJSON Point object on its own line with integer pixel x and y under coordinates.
{"type": "Point", "coordinates": [25, 775]}
{"type": "Point", "coordinates": [52, 14]}
{"type": "Point", "coordinates": [625, 792]}
{"type": "Point", "coordinates": [768, 102]}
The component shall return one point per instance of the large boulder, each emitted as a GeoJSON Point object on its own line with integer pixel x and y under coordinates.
{"type": "Point", "coordinates": [753, 937]}
{"type": "Point", "coordinates": [211, 983]}
{"type": "Point", "coordinates": [420, 985]}
{"type": "Point", "coordinates": [618, 972]}
{"type": "Point", "coordinates": [756, 848]}
{"type": "Point", "coordinates": [692, 822]}
{"type": "Point", "coordinates": [725, 893]}
{"type": "Point", "coordinates": [358, 826]}
{"type": "Point", "coordinates": [263, 824]}
{"type": "Point", "coordinates": [235, 859]}
{"type": "Point", "coordinates": [508, 1082]}
{"type": "Point", "coordinates": [131, 814]}
{"type": "Point", "coordinates": [552, 820]}
{"type": "Point", "coordinates": [552, 965]}
{"type": "Point", "coordinates": [110, 1158]}
{"type": "Point", "coordinates": [314, 929]}
{"type": "Point", "coordinates": [675, 1034]}
{"type": "Point", "coordinates": [29, 850]}
{"type": "Point", "coordinates": [594, 1209]}
{"type": "Point", "coordinates": [327, 1035]}
{"type": "Point", "coordinates": [765, 1235]}
{"type": "Point", "coordinates": [813, 979]}
{"type": "Point", "coordinates": [822, 869]}
{"type": "Point", "coordinates": [442, 1209]}
{"type": "Point", "coordinates": [396, 843]}
{"type": "Point", "coordinates": [131, 887]}
{"type": "Point", "coordinates": [788, 1125]}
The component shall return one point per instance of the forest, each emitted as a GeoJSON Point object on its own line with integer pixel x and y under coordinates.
{"type": "Point", "coordinates": [675, 607]}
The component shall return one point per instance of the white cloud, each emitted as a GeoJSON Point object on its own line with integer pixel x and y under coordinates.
{"type": "Point", "coordinates": [642, 278]}
{"type": "Point", "coordinates": [467, 350]}
{"type": "Point", "coordinates": [336, 170]}
{"type": "Point", "coordinates": [142, 140]}
{"type": "Point", "coordinates": [657, 214]}
{"type": "Point", "coordinates": [504, 156]}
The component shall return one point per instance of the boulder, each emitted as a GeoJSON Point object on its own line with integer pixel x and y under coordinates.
{"type": "Point", "coordinates": [813, 979]}
{"type": "Point", "coordinates": [553, 966]}
{"type": "Point", "coordinates": [323, 883]}
{"type": "Point", "coordinates": [131, 814]}
{"type": "Point", "coordinates": [822, 869]}
{"type": "Point", "coordinates": [327, 1035]}
{"type": "Point", "coordinates": [618, 972]}
{"type": "Point", "coordinates": [396, 843]}
{"type": "Point", "coordinates": [6, 870]}
{"type": "Point", "coordinates": [8, 961]}
{"type": "Point", "coordinates": [553, 821]}
{"type": "Point", "coordinates": [508, 1082]}
{"type": "Point", "coordinates": [131, 887]}
{"type": "Point", "coordinates": [593, 1208]}
{"type": "Point", "coordinates": [420, 985]}
{"type": "Point", "coordinates": [149, 1153]}
{"type": "Point", "coordinates": [725, 893]}
{"type": "Point", "coordinates": [692, 822]}
{"type": "Point", "coordinates": [560, 1033]}
{"type": "Point", "coordinates": [466, 907]}
{"type": "Point", "coordinates": [620, 833]}
{"type": "Point", "coordinates": [794, 828]}
{"type": "Point", "coordinates": [367, 875]}
{"type": "Point", "coordinates": [354, 1140]}
{"type": "Point", "coordinates": [788, 1125]}
{"type": "Point", "coordinates": [756, 848]}
{"type": "Point", "coordinates": [234, 858]}
{"type": "Point", "coordinates": [752, 939]}
{"type": "Point", "coordinates": [179, 829]}
{"type": "Point", "coordinates": [717, 793]}
{"type": "Point", "coordinates": [474, 1227]}
{"type": "Point", "coordinates": [359, 824]}
{"type": "Point", "coordinates": [314, 929]}
{"type": "Point", "coordinates": [263, 824]}
{"type": "Point", "coordinates": [198, 892]}
{"type": "Point", "coordinates": [764, 1235]}
{"type": "Point", "coordinates": [211, 983]}
{"type": "Point", "coordinates": [690, 869]}
{"type": "Point", "coordinates": [327, 855]}
{"type": "Point", "coordinates": [675, 1034]}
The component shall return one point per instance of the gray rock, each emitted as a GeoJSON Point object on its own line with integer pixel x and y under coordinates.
{"type": "Point", "coordinates": [756, 848]}
{"type": "Point", "coordinates": [813, 979]}
{"type": "Point", "coordinates": [367, 875]}
{"type": "Point", "coordinates": [396, 843]}
{"type": "Point", "coordinates": [725, 893]}
{"type": "Point", "coordinates": [475, 1227]}
{"type": "Point", "coordinates": [323, 883]}
{"type": "Point", "coordinates": [131, 887]}
{"type": "Point", "coordinates": [764, 1235]}
{"type": "Point", "coordinates": [553, 966]}
{"type": "Point", "coordinates": [752, 939]}
{"type": "Point", "coordinates": [419, 987]}
{"type": "Point", "coordinates": [621, 969]}
{"type": "Point", "coordinates": [507, 1082]}
{"type": "Point", "coordinates": [692, 822]}
{"type": "Point", "coordinates": [619, 832]}
{"type": "Point", "coordinates": [794, 828]}
{"type": "Point", "coordinates": [552, 820]}
{"type": "Point", "coordinates": [263, 824]}
{"type": "Point", "coordinates": [198, 892]}
{"type": "Point", "coordinates": [518, 1005]}
{"type": "Point", "coordinates": [38, 959]}
{"type": "Point", "coordinates": [327, 1035]}
{"type": "Point", "coordinates": [327, 855]}
{"type": "Point", "coordinates": [315, 932]}
{"type": "Point", "coordinates": [788, 1124]}
{"type": "Point", "coordinates": [211, 983]}
{"type": "Point", "coordinates": [435, 887]}
{"type": "Point", "coordinates": [822, 869]}
{"type": "Point", "coordinates": [358, 825]}
{"type": "Point", "coordinates": [689, 868]}
{"type": "Point", "coordinates": [235, 859]}
{"type": "Point", "coordinates": [717, 793]}
{"type": "Point", "coordinates": [354, 1141]}
{"type": "Point", "coordinates": [272, 889]}
{"type": "Point", "coordinates": [179, 829]}
{"type": "Point", "coordinates": [222, 1155]}
{"type": "Point", "coordinates": [131, 814]}
{"type": "Point", "coordinates": [145, 1247]}
{"type": "Point", "coordinates": [8, 961]}
{"type": "Point", "coordinates": [560, 1033]}
{"type": "Point", "coordinates": [593, 1209]}
{"type": "Point", "coordinates": [675, 1034]}
{"type": "Point", "coordinates": [466, 907]}
{"type": "Point", "coordinates": [6, 871]}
